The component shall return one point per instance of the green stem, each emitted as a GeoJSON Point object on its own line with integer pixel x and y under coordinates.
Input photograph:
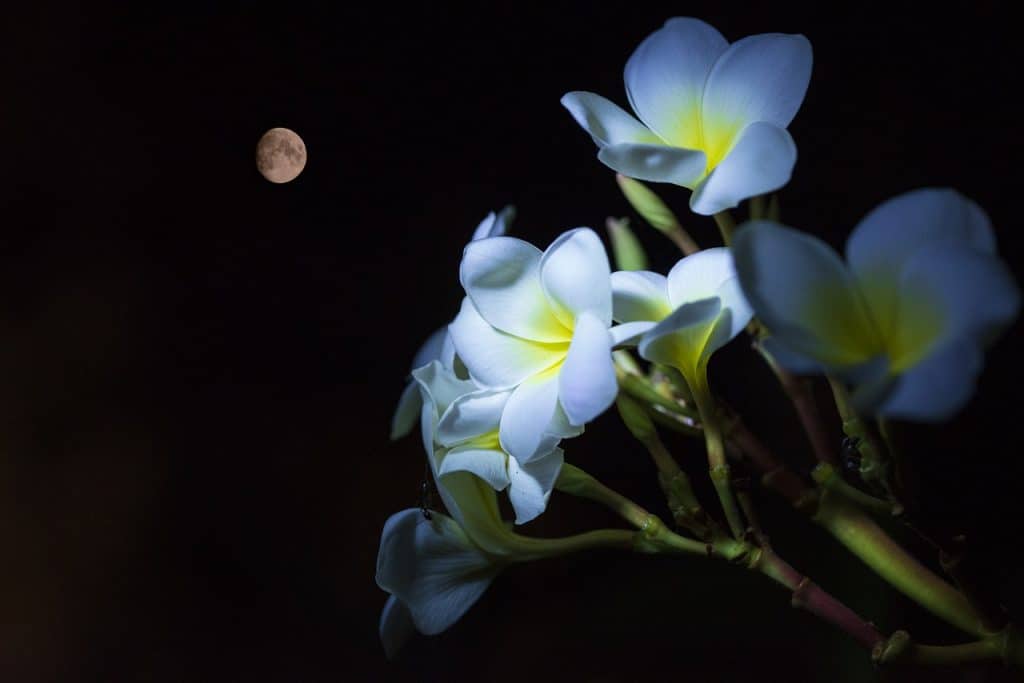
{"type": "Point", "coordinates": [726, 225]}
{"type": "Point", "coordinates": [1005, 646]}
{"type": "Point", "coordinates": [827, 476]}
{"type": "Point", "coordinates": [639, 388]}
{"type": "Point", "coordinates": [861, 536]}
{"type": "Point", "coordinates": [529, 549]}
{"type": "Point", "coordinates": [717, 465]}
{"type": "Point", "coordinates": [653, 535]}
{"type": "Point", "coordinates": [758, 205]}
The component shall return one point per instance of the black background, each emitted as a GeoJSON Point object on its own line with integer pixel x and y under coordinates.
{"type": "Point", "coordinates": [197, 367]}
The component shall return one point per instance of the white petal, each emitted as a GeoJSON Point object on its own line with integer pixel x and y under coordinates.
{"type": "Point", "coordinates": [472, 415]}
{"type": "Point", "coordinates": [439, 387]}
{"type": "Point", "coordinates": [974, 294]}
{"type": "Point", "coordinates": [432, 567]}
{"type": "Point", "coordinates": [396, 626]}
{"type": "Point", "coordinates": [496, 359]}
{"type": "Point", "coordinates": [896, 228]}
{"type": "Point", "coordinates": [759, 78]}
{"type": "Point", "coordinates": [665, 78]}
{"type": "Point", "coordinates": [531, 484]}
{"type": "Point", "coordinates": [560, 428]}
{"type": "Point", "coordinates": [639, 295]}
{"type": "Point", "coordinates": [937, 387]}
{"type": "Point", "coordinates": [407, 412]}
{"type": "Point", "coordinates": [607, 122]}
{"type": "Point", "coordinates": [448, 357]}
{"type": "Point", "coordinates": [431, 349]}
{"type": "Point", "coordinates": [629, 334]}
{"type": "Point", "coordinates": [706, 274]}
{"type": "Point", "coordinates": [501, 276]}
{"type": "Point", "coordinates": [761, 161]}
{"type": "Point", "coordinates": [528, 415]}
{"type": "Point", "coordinates": [886, 238]}
{"type": "Point", "coordinates": [487, 463]}
{"type": "Point", "coordinates": [804, 294]}
{"type": "Point", "coordinates": [655, 162]}
{"type": "Point", "coordinates": [681, 339]}
{"type": "Point", "coordinates": [576, 277]}
{"type": "Point", "coordinates": [587, 385]}
{"type": "Point", "coordinates": [699, 276]}
{"type": "Point", "coordinates": [483, 229]}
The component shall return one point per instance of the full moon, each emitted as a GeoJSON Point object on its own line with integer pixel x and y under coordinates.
{"type": "Point", "coordinates": [280, 155]}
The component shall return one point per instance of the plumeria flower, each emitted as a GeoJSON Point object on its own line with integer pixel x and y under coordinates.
{"type": "Point", "coordinates": [438, 345]}
{"type": "Point", "coordinates": [690, 314]}
{"type": "Point", "coordinates": [466, 440]}
{"type": "Point", "coordinates": [433, 571]}
{"type": "Point", "coordinates": [436, 567]}
{"type": "Point", "coordinates": [905, 320]}
{"type": "Point", "coordinates": [714, 115]}
{"type": "Point", "coordinates": [538, 323]}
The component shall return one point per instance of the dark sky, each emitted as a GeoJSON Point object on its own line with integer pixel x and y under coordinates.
{"type": "Point", "coordinates": [197, 367]}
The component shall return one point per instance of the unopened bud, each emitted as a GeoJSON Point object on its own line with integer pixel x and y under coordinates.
{"type": "Point", "coordinates": [647, 204]}
{"type": "Point", "coordinates": [626, 248]}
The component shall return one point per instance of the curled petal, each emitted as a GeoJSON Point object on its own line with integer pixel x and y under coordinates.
{"type": "Point", "coordinates": [761, 161]}
{"type": "Point", "coordinates": [487, 463]}
{"type": "Point", "coordinates": [528, 414]}
{"type": "Point", "coordinates": [587, 385]}
{"type": "Point", "coordinates": [396, 626]}
{"type": "Point", "coordinates": [496, 359]}
{"type": "Point", "coordinates": [699, 275]}
{"type": "Point", "coordinates": [576, 277]}
{"type": "Point", "coordinates": [607, 123]}
{"type": "Point", "coordinates": [665, 78]}
{"type": "Point", "coordinates": [639, 295]}
{"type": "Point", "coordinates": [656, 162]}
{"type": "Point", "coordinates": [531, 484]}
{"type": "Point", "coordinates": [439, 387]}
{"type": "Point", "coordinates": [501, 277]}
{"type": "Point", "coordinates": [629, 334]}
{"type": "Point", "coordinates": [471, 415]}
{"type": "Point", "coordinates": [680, 339]}
{"type": "Point", "coordinates": [431, 567]}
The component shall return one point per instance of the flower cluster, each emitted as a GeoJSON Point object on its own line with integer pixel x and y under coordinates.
{"type": "Point", "coordinates": [528, 361]}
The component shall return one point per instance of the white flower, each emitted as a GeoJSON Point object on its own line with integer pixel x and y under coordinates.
{"type": "Point", "coordinates": [714, 114]}
{"type": "Point", "coordinates": [465, 439]}
{"type": "Point", "coordinates": [433, 571]}
{"type": "Point", "coordinates": [539, 323]}
{"type": "Point", "coordinates": [698, 308]}
{"type": "Point", "coordinates": [906, 321]}
{"type": "Point", "coordinates": [438, 345]}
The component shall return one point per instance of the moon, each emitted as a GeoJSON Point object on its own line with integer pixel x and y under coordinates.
{"type": "Point", "coordinates": [280, 155]}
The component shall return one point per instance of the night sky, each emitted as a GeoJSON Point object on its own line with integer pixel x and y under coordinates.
{"type": "Point", "coordinates": [198, 367]}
